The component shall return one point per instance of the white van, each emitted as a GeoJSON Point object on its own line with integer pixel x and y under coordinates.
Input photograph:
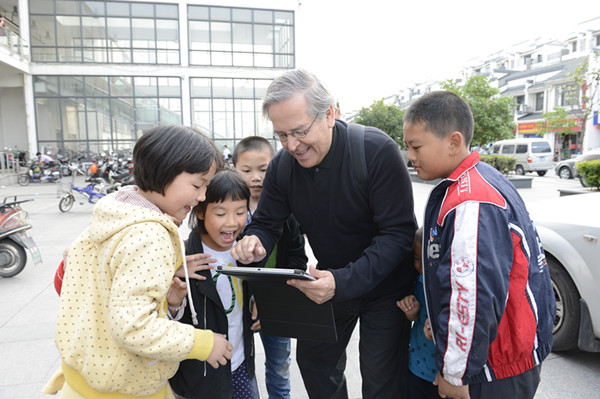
{"type": "Point", "coordinates": [532, 154]}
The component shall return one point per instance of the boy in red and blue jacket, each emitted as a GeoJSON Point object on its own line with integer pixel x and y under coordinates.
{"type": "Point", "coordinates": [487, 283]}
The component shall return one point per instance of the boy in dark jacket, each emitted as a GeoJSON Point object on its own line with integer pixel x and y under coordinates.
{"type": "Point", "coordinates": [251, 157]}
{"type": "Point", "coordinates": [487, 284]}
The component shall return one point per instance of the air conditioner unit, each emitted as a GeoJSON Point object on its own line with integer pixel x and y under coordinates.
{"type": "Point", "coordinates": [524, 108]}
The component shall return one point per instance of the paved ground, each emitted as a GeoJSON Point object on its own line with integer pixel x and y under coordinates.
{"type": "Point", "coordinates": [28, 305]}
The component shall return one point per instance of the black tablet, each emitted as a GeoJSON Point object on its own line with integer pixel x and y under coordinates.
{"type": "Point", "coordinates": [264, 273]}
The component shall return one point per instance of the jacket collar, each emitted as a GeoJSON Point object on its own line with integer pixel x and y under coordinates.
{"type": "Point", "coordinates": [467, 163]}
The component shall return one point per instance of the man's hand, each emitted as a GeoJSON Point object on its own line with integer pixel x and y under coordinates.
{"type": "Point", "coordinates": [196, 263]}
{"type": "Point", "coordinates": [221, 352]}
{"type": "Point", "coordinates": [248, 250]}
{"type": "Point", "coordinates": [410, 306]}
{"type": "Point", "coordinates": [447, 390]}
{"type": "Point", "coordinates": [318, 291]}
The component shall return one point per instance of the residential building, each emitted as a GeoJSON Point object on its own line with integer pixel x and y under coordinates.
{"type": "Point", "coordinates": [538, 74]}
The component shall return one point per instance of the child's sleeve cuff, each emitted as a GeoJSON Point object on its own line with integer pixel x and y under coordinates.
{"type": "Point", "coordinates": [204, 342]}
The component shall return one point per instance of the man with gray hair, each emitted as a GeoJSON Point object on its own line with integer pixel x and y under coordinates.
{"type": "Point", "coordinates": [361, 234]}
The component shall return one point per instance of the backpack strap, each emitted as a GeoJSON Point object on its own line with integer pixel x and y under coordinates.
{"type": "Point", "coordinates": [355, 137]}
{"type": "Point", "coordinates": [284, 170]}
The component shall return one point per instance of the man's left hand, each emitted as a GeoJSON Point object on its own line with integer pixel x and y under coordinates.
{"type": "Point", "coordinates": [319, 291]}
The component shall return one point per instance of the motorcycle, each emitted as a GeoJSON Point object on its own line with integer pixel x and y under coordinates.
{"type": "Point", "coordinates": [37, 174]}
{"type": "Point", "coordinates": [14, 222]}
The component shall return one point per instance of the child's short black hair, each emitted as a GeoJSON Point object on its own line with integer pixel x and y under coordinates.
{"type": "Point", "coordinates": [442, 112]}
{"type": "Point", "coordinates": [165, 151]}
{"type": "Point", "coordinates": [227, 184]}
{"type": "Point", "coordinates": [252, 143]}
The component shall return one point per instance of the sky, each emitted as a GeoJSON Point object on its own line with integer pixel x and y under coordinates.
{"type": "Point", "coordinates": [367, 50]}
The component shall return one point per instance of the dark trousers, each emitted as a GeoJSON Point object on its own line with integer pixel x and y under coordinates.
{"type": "Point", "coordinates": [383, 349]}
{"type": "Point", "coordinates": [522, 386]}
{"type": "Point", "coordinates": [419, 388]}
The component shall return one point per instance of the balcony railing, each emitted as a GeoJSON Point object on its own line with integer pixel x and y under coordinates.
{"type": "Point", "coordinates": [16, 45]}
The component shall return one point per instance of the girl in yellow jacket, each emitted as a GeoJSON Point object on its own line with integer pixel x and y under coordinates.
{"type": "Point", "coordinates": [112, 332]}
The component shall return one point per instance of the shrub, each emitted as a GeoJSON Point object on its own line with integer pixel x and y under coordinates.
{"type": "Point", "coordinates": [502, 163]}
{"type": "Point", "coordinates": [590, 172]}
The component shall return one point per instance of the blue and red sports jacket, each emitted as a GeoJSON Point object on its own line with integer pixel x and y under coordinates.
{"type": "Point", "coordinates": [488, 288]}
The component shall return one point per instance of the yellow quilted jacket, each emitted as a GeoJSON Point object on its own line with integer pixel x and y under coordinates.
{"type": "Point", "coordinates": [112, 331]}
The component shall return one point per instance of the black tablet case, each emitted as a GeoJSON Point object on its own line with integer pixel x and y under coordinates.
{"type": "Point", "coordinates": [284, 311]}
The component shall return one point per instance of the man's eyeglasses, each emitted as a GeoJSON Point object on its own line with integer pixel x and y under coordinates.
{"type": "Point", "coordinates": [298, 134]}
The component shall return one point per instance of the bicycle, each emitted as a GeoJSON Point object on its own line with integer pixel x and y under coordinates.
{"type": "Point", "coordinates": [90, 193]}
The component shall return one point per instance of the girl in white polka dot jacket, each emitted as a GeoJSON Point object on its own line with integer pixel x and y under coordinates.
{"type": "Point", "coordinates": [113, 333]}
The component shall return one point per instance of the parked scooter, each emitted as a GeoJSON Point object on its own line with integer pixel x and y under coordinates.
{"type": "Point", "coordinates": [14, 222]}
{"type": "Point", "coordinates": [37, 174]}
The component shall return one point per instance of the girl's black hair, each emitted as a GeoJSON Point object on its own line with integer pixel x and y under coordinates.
{"type": "Point", "coordinates": [227, 184]}
{"type": "Point", "coordinates": [165, 151]}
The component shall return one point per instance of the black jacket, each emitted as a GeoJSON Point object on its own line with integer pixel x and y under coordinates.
{"type": "Point", "coordinates": [364, 239]}
{"type": "Point", "coordinates": [196, 379]}
{"type": "Point", "coordinates": [290, 247]}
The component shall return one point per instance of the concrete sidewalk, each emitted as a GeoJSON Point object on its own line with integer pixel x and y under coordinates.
{"type": "Point", "coordinates": [28, 302]}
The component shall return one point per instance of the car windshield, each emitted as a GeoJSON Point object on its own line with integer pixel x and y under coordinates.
{"type": "Point", "coordinates": [540, 146]}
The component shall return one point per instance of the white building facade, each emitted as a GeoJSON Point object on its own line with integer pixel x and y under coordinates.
{"type": "Point", "coordinates": [91, 76]}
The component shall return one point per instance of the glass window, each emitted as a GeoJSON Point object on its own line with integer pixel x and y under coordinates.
{"type": "Point", "coordinates": [522, 149]}
{"type": "Point", "coordinates": [263, 38]}
{"type": "Point", "coordinates": [242, 37]}
{"type": "Point", "coordinates": [73, 119]}
{"type": "Point", "coordinates": [169, 87]}
{"type": "Point", "coordinates": [243, 88]}
{"type": "Point", "coordinates": [145, 86]}
{"type": "Point", "coordinates": [45, 85]}
{"type": "Point", "coordinates": [142, 32]}
{"type": "Point", "coordinates": [198, 12]}
{"type": "Point", "coordinates": [254, 38]}
{"type": "Point", "coordinates": [241, 15]}
{"type": "Point", "coordinates": [92, 8]}
{"type": "Point", "coordinates": [508, 149]}
{"type": "Point", "coordinates": [539, 101]}
{"type": "Point", "coordinates": [48, 118]}
{"type": "Point", "coordinates": [167, 34]}
{"type": "Point", "coordinates": [170, 110]}
{"type": "Point", "coordinates": [142, 10]}
{"type": "Point", "coordinates": [42, 30]}
{"type": "Point", "coordinates": [201, 115]}
{"type": "Point", "coordinates": [167, 11]}
{"type": "Point", "coordinates": [67, 7]}
{"type": "Point", "coordinates": [41, 6]}
{"type": "Point", "coordinates": [118, 9]}
{"type": "Point", "coordinates": [284, 17]}
{"type": "Point", "coordinates": [200, 87]}
{"type": "Point", "coordinates": [220, 36]}
{"type": "Point", "coordinates": [540, 147]}
{"type": "Point", "coordinates": [71, 86]}
{"type": "Point", "coordinates": [263, 16]}
{"type": "Point", "coordinates": [94, 31]}
{"type": "Point", "coordinates": [199, 35]}
{"type": "Point", "coordinates": [496, 149]}
{"type": "Point", "coordinates": [96, 86]}
{"type": "Point", "coordinates": [220, 14]}
{"type": "Point", "coordinates": [68, 31]}
{"type": "Point", "coordinates": [222, 88]}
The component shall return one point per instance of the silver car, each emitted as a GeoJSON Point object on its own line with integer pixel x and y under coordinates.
{"type": "Point", "coordinates": [569, 228]}
{"type": "Point", "coordinates": [567, 169]}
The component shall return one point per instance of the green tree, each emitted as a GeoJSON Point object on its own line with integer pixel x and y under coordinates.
{"type": "Point", "coordinates": [493, 115]}
{"type": "Point", "coordinates": [588, 80]}
{"type": "Point", "coordinates": [557, 122]}
{"type": "Point", "coordinates": [387, 118]}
